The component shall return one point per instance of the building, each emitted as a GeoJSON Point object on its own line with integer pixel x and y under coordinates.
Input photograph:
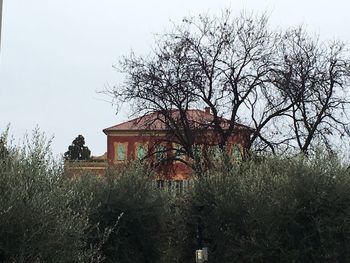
{"type": "Point", "coordinates": [96, 166]}
{"type": "Point", "coordinates": [149, 138]}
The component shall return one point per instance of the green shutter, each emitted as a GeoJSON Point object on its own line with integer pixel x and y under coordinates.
{"type": "Point", "coordinates": [160, 152]}
{"type": "Point", "coordinates": [197, 150]}
{"type": "Point", "coordinates": [179, 153]}
{"type": "Point", "coordinates": [141, 151]}
{"type": "Point", "coordinates": [121, 152]}
{"type": "Point", "coordinates": [236, 152]}
{"type": "Point", "coordinates": [216, 152]}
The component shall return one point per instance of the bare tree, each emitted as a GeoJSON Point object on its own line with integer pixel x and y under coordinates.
{"type": "Point", "coordinates": [207, 62]}
{"type": "Point", "coordinates": [286, 86]}
{"type": "Point", "coordinates": [315, 81]}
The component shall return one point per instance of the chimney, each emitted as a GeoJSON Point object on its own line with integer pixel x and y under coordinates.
{"type": "Point", "coordinates": [207, 109]}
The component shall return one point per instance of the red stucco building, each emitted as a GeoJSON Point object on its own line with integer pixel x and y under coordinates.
{"type": "Point", "coordinates": [148, 138]}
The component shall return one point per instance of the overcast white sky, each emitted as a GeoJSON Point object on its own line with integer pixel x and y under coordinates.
{"type": "Point", "coordinates": [56, 54]}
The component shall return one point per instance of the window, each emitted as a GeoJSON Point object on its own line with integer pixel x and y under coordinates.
{"type": "Point", "coordinates": [120, 151]}
{"type": "Point", "coordinates": [236, 152]}
{"type": "Point", "coordinates": [216, 152]}
{"type": "Point", "coordinates": [179, 152]}
{"type": "Point", "coordinates": [141, 151]}
{"type": "Point", "coordinates": [160, 152]}
{"type": "Point", "coordinates": [197, 150]}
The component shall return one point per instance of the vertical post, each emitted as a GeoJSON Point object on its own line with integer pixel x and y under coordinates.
{"type": "Point", "coordinates": [0, 21]}
{"type": "Point", "coordinates": [201, 252]}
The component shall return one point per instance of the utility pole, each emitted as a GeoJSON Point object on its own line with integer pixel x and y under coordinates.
{"type": "Point", "coordinates": [0, 21]}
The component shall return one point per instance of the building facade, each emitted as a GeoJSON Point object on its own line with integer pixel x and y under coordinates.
{"type": "Point", "coordinates": [147, 138]}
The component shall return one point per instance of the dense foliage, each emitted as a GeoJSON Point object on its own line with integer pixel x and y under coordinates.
{"type": "Point", "coordinates": [275, 210]}
{"type": "Point", "coordinates": [42, 216]}
{"type": "Point", "coordinates": [287, 209]}
{"type": "Point", "coordinates": [46, 217]}
{"type": "Point", "coordinates": [131, 210]}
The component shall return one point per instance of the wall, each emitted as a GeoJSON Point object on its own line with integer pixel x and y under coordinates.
{"type": "Point", "coordinates": [176, 170]}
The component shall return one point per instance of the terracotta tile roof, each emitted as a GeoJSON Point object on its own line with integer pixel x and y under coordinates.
{"type": "Point", "coordinates": [155, 121]}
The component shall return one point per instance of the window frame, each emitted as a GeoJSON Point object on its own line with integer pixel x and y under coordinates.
{"type": "Point", "coordinates": [145, 148]}
{"type": "Point", "coordinates": [117, 146]}
{"type": "Point", "coordinates": [177, 147]}
{"type": "Point", "coordinates": [162, 152]}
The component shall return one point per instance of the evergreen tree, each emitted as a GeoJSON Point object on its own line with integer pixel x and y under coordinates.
{"type": "Point", "coordinates": [77, 150]}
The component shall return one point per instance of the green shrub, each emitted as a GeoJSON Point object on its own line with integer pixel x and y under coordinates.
{"type": "Point", "coordinates": [37, 220]}
{"type": "Point", "coordinates": [276, 210]}
{"type": "Point", "coordinates": [262, 210]}
{"type": "Point", "coordinates": [132, 211]}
